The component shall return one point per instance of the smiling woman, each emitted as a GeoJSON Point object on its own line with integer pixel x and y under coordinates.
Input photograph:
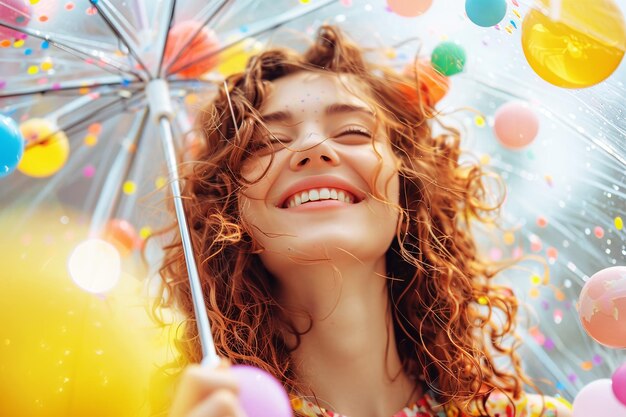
{"type": "Point", "coordinates": [333, 233]}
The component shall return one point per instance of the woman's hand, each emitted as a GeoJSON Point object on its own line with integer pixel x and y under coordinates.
{"type": "Point", "coordinates": [204, 392]}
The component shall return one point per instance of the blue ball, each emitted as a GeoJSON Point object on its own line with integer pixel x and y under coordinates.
{"type": "Point", "coordinates": [485, 13]}
{"type": "Point", "coordinates": [11, 145]}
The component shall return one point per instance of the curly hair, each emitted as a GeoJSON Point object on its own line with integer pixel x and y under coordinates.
{"type": "Point", "coordinates": [451, 320]}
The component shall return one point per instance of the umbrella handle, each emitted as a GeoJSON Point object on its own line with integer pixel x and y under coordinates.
{"type": "Point", "coordinates": [162, 112]}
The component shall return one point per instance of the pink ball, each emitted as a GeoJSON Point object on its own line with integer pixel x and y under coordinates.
{"type": "Point", "coordinates": [619, 384]}
{"type": "Point", "coordinates": [516, 125]}
{"type": "Point", "coordinates": [409, 8]}
{"type": "Point", "coordinates": [602, 306]}
{"type": "Point", "coordinates": [260, 393]}
{"type": "Point", "coordinates": [597, 400]}
{"type": "Point", "coordinates": [16, 13]}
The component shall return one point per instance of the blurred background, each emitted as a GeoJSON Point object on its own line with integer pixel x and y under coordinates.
{"type": "Point", "coordinates": [537, 89]}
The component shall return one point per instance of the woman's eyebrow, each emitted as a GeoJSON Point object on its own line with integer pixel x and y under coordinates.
{"type": "Point", "coordinates": [347, 108]}
{"type": "Point", "coordinates": [332, 109]}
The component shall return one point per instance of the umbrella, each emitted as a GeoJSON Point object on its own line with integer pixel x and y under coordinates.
{"type": "Point", "coordinates": [95, 84]}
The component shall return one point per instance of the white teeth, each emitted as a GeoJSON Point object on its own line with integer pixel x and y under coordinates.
{"type": "Point", "coordinates": [320, 194]}
{"type": "Point", "coordinates": [314, 195]}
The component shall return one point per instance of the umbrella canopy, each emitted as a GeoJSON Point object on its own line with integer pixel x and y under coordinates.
{"type": "Point", "coordinates": [77, 77]}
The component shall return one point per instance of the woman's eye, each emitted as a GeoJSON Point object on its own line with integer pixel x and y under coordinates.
{"type": "Point", "coordinates": [358, 131]}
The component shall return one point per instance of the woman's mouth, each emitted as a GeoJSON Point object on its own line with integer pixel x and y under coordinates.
{"type": "Point", "coordinates": [314, 195]}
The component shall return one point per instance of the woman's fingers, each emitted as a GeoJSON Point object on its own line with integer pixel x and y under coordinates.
{"type": "Point", "coordinates": [221, 403]}
{"type": "Point", "coordinates": [198, 386]}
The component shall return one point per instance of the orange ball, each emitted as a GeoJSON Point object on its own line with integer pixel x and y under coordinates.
{"type": "Point", "coordinates": [122, 235]}
{"type": "Point", "coordinates": [203, 43]}
{"type": "Point", "coordinates": [433, 85]}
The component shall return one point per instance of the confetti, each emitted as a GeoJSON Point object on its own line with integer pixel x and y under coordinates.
{"type": "Point", "coordinates": [516, 13]}
{"type": "Point", "coordinates": [552, 253]}
{"type": "Point", "coordinates": [542, 221]}
{"type": "Point", "coordinates": [95, 129]}
{"type": "Point", "coordinates": [513, 24]}
{"type": "Point", "coordinates": [28, 51]}
{"type": "Point", "coordinates": [535, 279]}
{"type": "Point", "coordinates": [34, 1]}
{"type": "Point", "coordinates": [43, 18]}
{"type": "Point", "coordinates": [558, 316]}
{"type": "Point", "coordinates": [549, 180]}
{"type": "Point", "coordinates": [46, 65]}
{"type": "Point", "coordinates": [586, 366]}
{"type": "Point", "coordinates": [619, 223]}
{"type": "Point", "coordinates": [129, 187]}
{"type": "Point", "coordinates": [33, 69]}
{"type": "Point", "coordinates": [18, 43]}
{"type": "Point", "coordinates": [533, 293]}
{"type": "Point", "coordinates": [515, 3]}
{"type": "Point", "coordinates": [5, 43]}
{"type": "Point", "coordinates": [598, 232]}
{"type": "Point", "coordinates": [90, 140]}
{"type": "Point", "coordinates": [479, 121]}
{"type": "Point", "coordinates": [160, 182]}
{"type": "Point", "coordinates": [45, 45]}
{"type": "Point", "coordinates": [483, 301]}
{"type": "Point", "coordinates": [145, 232]}
{"type": "Point", "coordinates": [69, 6]}
{"type": "Point", "coordinates": [89, 171]}
{"type": "Point", "coordinates": [509, 238]}
{"type": "Point", "coordinates": [91, 11]}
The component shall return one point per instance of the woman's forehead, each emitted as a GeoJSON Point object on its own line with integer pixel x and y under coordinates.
{"type": "Point", "coordinates": [311, 92]}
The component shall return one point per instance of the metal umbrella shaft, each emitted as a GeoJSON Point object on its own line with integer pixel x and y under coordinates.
{"type": "Point", "coordinates": [161, 111]}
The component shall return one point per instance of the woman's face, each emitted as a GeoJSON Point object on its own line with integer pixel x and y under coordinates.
{"type": "Point", "coordinates": [317, 199]}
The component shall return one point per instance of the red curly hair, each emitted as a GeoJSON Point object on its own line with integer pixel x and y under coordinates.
{"type": "Point", "coordinates": [451, 321]}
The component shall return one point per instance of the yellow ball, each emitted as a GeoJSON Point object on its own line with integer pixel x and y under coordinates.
{"type": "Point", "coordinates": [582, 47]}
{"type": "Point", "coordinates": [47, 148]}
{"type": "Point", "coordinates": [67, 352]}
{"type": "Point", "coordinates": [235, 59]}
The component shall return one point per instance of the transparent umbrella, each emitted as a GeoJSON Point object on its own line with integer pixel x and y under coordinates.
{"type": "Point", "coordinates": [96, 84]}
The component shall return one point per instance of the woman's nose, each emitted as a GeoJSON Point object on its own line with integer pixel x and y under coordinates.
{"type": "Point", "coordinates": [315, 151]}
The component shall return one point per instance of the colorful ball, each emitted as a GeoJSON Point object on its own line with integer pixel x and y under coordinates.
{"type": "Point", "coordinates": [409, 8]}
{"type": "Point", "coordinates": [579, 49]}
{"type": "Point", "coordinates": [205, 41]}
{"type": "Point", "coordinates": [516, 125]}
{"type": "Point", "coordinates": [260, 393]}
{"type": "Point", "coordinates": [122, 235]}
{"type": "Point", "coordinates": [16, 13]}
{"type": "Point", "coordinates": [234, 59]}
{"type": "Point", "coordinates": [47, 148]}
{"type": "Point", "coordinates": [602, 306]}
{"type": "Point", "coordinates": [448, 58]}
{"type": "Point", "coordinates": [597, 400]}
{"type": "Point", "coordinates": [432, 84]}
{"type": "Point", "coordinates": [11, 145]}
{"type": "Point", "coordinates": [485, 13]}
{"type": "Point", "coordinates": [619, 384]}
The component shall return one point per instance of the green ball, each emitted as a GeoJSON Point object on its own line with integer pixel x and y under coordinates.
{"type": "Point", "coordinates": [448, 58]}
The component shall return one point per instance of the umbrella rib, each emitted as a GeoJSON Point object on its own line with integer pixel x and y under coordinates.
{"type": "Point", "coordinates": [208, 20]}
{"type": "Point", "coordinates": [76, 122]}
{"type": "Point", "coordinates": [162, 48]}
{"type": "Point", "coordinates": [82, 55]}
{"type": "Point", "coordinates": [284, 19]}
{"type": "Point", "coordinates": [118, 33]}
{"type": "Point", "coordinates": [109, 197]}
{"type": "Point", "coordinates": [68, 86]}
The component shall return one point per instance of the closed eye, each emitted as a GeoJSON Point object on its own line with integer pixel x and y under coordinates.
{"type": "Point", "coordinates": [355, 131]}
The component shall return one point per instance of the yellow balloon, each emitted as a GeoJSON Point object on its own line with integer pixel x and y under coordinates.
{"type": "Point", "coordinates": [234, 59]}
{"type": "Point", "coordinates": [67, 352]}
{"type": "Point", "coordinates": [47, 148]}
{"type": "Point", "coordinates": [581, 47]}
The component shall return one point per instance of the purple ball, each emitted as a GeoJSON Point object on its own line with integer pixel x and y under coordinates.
{"type": "Point", "coordinates": [619, 384]}
{"type": "Point", "coordinates": [261, 395]}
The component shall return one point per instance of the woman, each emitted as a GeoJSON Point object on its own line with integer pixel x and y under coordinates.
{"type": "Point", "coordinates": [332, 234]}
